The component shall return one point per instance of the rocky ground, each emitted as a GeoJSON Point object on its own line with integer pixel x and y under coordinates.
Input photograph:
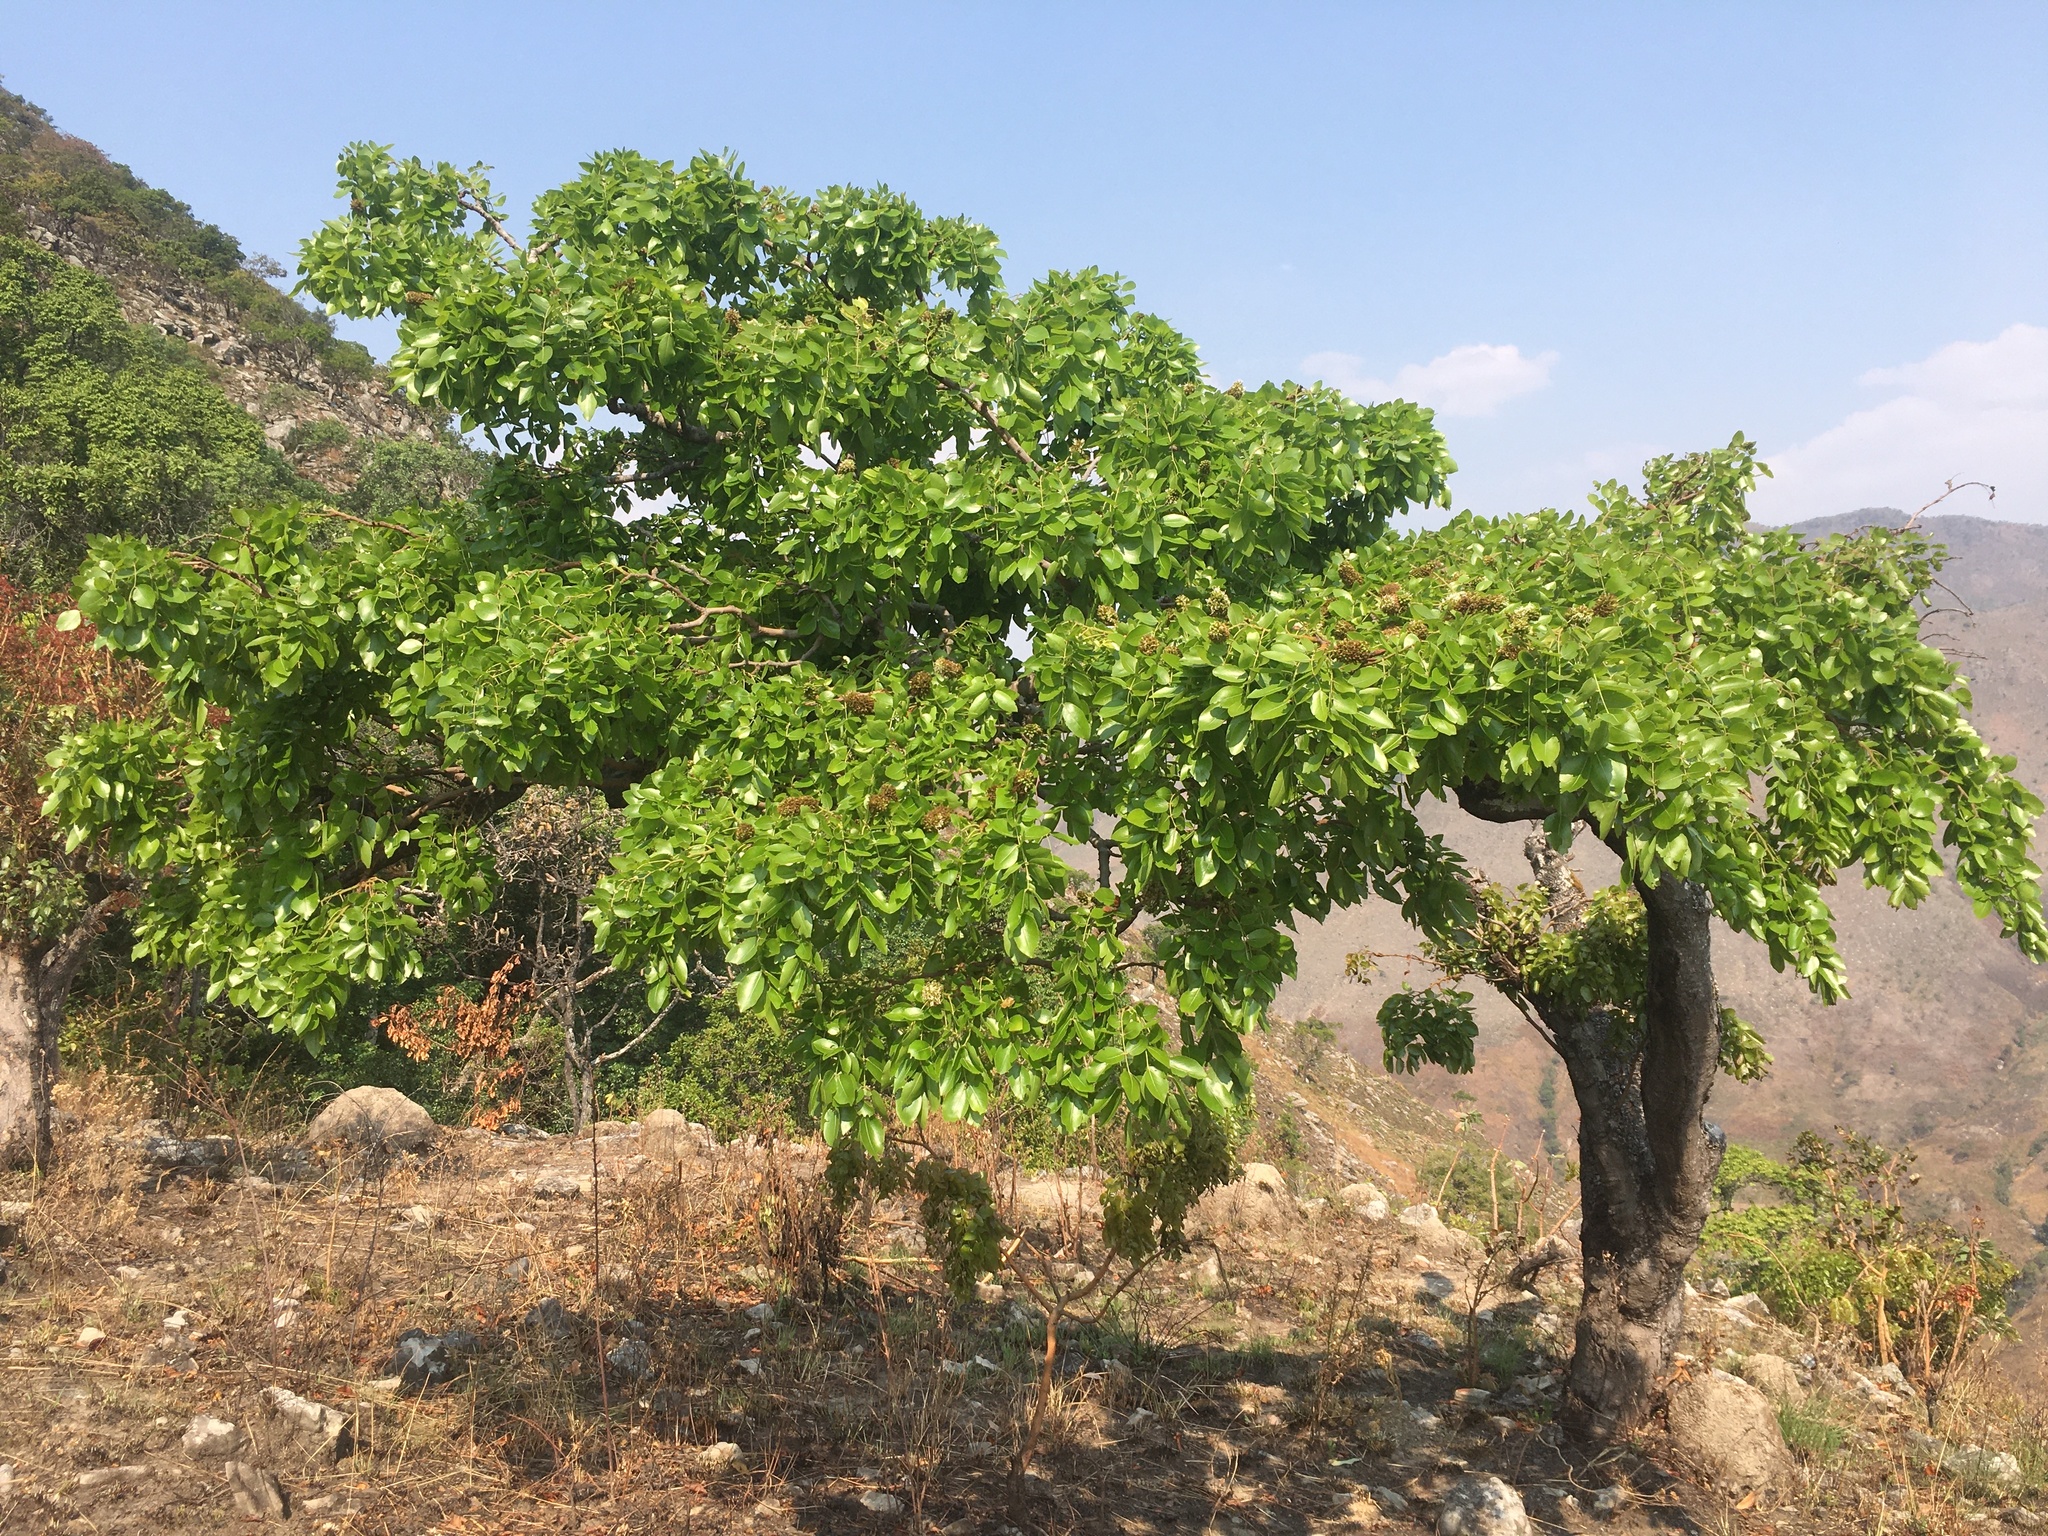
{"type": "Point", "coordinates": [469, 1332]}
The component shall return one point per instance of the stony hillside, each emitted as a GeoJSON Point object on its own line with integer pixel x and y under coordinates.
{"type": "Point", "coordinates": [372, 1324]}
{"type": "Point", "coordinates": [314, 393]}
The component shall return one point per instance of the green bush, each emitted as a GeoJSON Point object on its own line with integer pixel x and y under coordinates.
{"type": "Point", "coordinates": [319, 435]}
{"type": "Point", "coordinates": [736, 1073]}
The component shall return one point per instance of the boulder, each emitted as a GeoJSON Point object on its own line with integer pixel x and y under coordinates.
{"type": "Point", "coordinates": [1429, 1233]}
{"type": "Point", "coordinates": [1773, 1376]}
{"type": "Point", "coordinates": [258, 1493]}
{"type": "Point", "coordinates": [1482, 1506]}
{"type": "Point", "coordinates": [1257, 1201]}
{"type": "Point", "coordinates": [1054, 1202]}
{"type": "Point", "coordinates": [666, 1136]}
{"type": "Point", "coordinates": [1729, 1430]}
{"type": "Point", "coordinates": [209, 1439]}
{"type": "Point", "coordinates": [421, 1360]}
{"type": "Point", "coordinates": [326, 1429]}
{"type": "Point", "coordinates": [632, 1360]}
{"type": "Point", "coordinates": [373, 1118]}
{"type": "Point", "coordinates": [1364, 1200]}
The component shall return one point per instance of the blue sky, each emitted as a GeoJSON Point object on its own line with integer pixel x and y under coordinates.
{"type": "Point", "coordinates": [1586, 233]}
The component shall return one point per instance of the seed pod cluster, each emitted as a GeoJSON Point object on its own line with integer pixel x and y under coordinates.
{"type": "Point", "coordinates": [918, 685]}
{"type": "Point", "coordinates": [1219, 604]}
{"type": "Point", "coordinates": [1476, 602]}
{"type": "Point", "coordinates": [1219, 632]}
{"type": "Point", "coordinates": [882, 799]}
{"type": "Point", "coordinates": [937, 818]}
{"type": "Point", "coordinates": [1350, 575]}
{"type": "Point", "coordinates": [796, 805]}
{"type": "Point", "coordinates": [857, 703]}
{"type": "Point", "coordinates": [948, 668]}
{"type": "Point", "coordinates": [1355, 653]}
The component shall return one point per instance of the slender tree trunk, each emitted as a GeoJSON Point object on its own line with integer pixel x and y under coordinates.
{"type": "Point", "coordinates": [24, 1112]}
{"type": "Point", "coordinates": [34, 986]}
{"type": "Point", "coordinates": [1647, 1164]}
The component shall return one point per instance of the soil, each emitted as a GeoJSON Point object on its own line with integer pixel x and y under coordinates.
{"type": "Point", "coordinates": [1305, 1377]}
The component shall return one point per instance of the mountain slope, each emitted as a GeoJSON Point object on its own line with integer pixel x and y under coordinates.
{"type": "Point", "coordinates": [316, 395]}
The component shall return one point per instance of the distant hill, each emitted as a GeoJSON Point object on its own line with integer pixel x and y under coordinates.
{"type": "Point", "coordinates": [317, 395]}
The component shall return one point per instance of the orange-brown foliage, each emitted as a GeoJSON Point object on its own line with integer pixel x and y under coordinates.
{"type": "Point", "coordinates": [478, 1033]}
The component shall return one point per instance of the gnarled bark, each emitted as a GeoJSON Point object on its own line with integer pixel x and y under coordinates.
{"type": "Point", "coordinates": [20, 1034]}
{"type": "Point", "coordinates": [1647, 1158]}
{"type": "Point", "coordinates": [1647, 1154]}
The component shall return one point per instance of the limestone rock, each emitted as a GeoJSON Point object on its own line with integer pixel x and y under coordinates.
{"type": "Point", "coordinates": [209, 1439]}
{"type": "Point", "coordinates": [326, 1428]}
{"type": "Point", "coordinates": [1773, 1376]}
{"type": "Point", "coordinates": [373, 1118]}
{"type": "Point", "coordinates": [722, 1457]}
{"type": "Point", "coordinates": [1729, 1430]}
{"type": "Point", "coordinates": [1364, 1200]}
{"type": "Point", "coordinates": [1482, 1506]}
{"type": "Point", "coordinates": [666, 1136]}
{"type": "Point", "coordinates": [1054, 1202]}
{"type": "Point", "coordinates": [258, 1494]}
{"type": "Point", "coordinates": [1258, 1201]}
{"type": "Point", "coordinates": [632, 1360]}
{"type": "Point", "coordinates": [1430, 1234]}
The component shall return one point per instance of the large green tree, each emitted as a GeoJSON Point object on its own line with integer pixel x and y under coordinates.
{"type": "Point", "coordinates": [782, 478]}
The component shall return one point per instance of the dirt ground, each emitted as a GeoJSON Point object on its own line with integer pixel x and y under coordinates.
{"type": "Point", "coordinates": [628, 1347]}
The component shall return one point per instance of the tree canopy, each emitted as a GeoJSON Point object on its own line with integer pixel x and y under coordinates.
{"type": "Point", "coordinates": [781, 479]}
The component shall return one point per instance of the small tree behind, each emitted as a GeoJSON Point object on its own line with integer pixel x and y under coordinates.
{"type": "Point", "coordinates": [55, 895]}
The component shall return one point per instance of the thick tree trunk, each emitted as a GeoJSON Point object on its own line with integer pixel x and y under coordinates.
{"type": "Point", "coordinates": [1647, 1164]}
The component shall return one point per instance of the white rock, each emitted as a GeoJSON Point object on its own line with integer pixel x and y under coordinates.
{"type": "Point", "coordinates": [209, 1439]}
{"type": "Point", "coordinates": [881, 1503]}
{"type": "Point", "coordinates": [1729, 1430]}
{"type": "Point", "coordinates": [324, 1424]}
{"type": "Point", "coordinates": [1482, 1506]}
{"type": "Point", "coordinates": [90, 1338]}
{"type": "Point", "coordinates": [100, 1476]}
{"type": "Point", "coordinates": [1259, 1200]}
{"type": "Point", "coordinates": [724, 1455]}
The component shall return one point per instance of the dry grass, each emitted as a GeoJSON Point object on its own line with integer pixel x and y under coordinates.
{"type": "Point", "coordinates": [832, 1358]}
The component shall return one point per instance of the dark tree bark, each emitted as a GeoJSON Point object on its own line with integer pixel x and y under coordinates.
{"type": "Point", "coordinates": [1647, 1154]}
{"type": "Point", "coordinates": [1647, 1158]}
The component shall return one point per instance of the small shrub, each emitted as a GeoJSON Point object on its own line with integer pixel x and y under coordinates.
{"type": "Point", "coordinates": [1809, 1431]}
{"type": "Point", "coordinates": [323, 434]}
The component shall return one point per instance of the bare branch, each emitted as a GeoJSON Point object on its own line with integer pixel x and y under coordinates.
{"type": "Point", "coordinates": [634, 1044]}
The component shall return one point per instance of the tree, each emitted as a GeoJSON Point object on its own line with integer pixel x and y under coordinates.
{"type": "Point", "coordinates": [856, 462]}
{"type": "Point", "coordinates": [107, 427]}
{"type": "Point", "coordinates": [549, 851]}
{"type": "Point", "coordinates": [55, 895]}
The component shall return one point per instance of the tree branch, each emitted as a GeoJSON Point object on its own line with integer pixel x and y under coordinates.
{"type": "Point", "coordinates": [634, 1043]}
{"type": "Point", "coordinates": [649, 416]}
{"type": "Point", "coordinates": [61, 961]}
{"type": "Point", "coordinates": [987, 413]}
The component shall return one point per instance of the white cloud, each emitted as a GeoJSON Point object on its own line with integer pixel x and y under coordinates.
{"type": "Point", "coordinates": [1973, 410]}
{"type": "Point", "coordinates": [1465, 381]}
